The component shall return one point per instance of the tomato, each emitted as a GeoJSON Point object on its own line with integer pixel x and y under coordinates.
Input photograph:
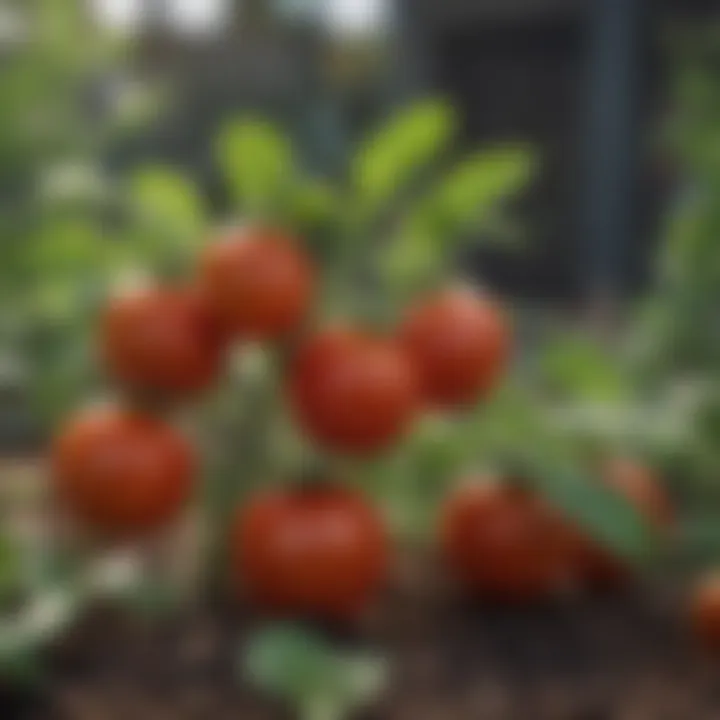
{"type": "Point", "coordinates": [352, 392]}
{"type": "Point", "coordinates": [259, 283]}
{"type": "Point", "coordinates": [705, 610]}
{"type": "Point", "coordinates": [503, 542]}
{"type": "Point", "coordinates": [460, 342]}
{"type": "Point", "coordinates": [597, 566]}
{"type": "Point", "coordinates": [161, 340]}
{"type": "Point", "coordinates": [318, 551]}
{"type": "Point", "coordinates": [122, 473]}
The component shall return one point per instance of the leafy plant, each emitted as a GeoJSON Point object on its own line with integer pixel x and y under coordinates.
{"type": "Point", "coordinates": [317, 681]}
{"type": "Point", "coordinates": [56, 251]}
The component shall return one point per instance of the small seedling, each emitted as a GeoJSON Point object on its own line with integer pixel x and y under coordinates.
{"type": "Point", "coordinates": [318, 681]}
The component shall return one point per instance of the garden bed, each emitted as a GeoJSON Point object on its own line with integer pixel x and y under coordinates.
{"type": "Point", "coordinates": [625, 656]}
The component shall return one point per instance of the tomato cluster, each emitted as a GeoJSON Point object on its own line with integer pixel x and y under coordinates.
{"type": "Point", "coordinates": [503, 541]}
{"type": "Point", "coordinates": [317, 548]}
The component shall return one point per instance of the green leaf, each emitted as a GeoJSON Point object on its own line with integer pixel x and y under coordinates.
{"type": "Point", "coordinates": [603, 512]}
{"type": "Point", "coordinates": [305, 671]}
{"type": "Point", "coordinates": [579, 368]}
{"type": "Point", "coordinates": [168, 201]}
{"type": "Point", "coordinates": [258, 163]}
{"type": "Point", "coordinates": [314, 205]}
{"type": "Point", "coordinates": [288, 662]}
{"type": "Point", "coordinates": [410, 259]}
{"type": "Point", "coordinates": [466, 199]}
{"type": "Point", "coordinates": [468, 195]}
{"type": "Point", "coordinates": [510, 421]}
{"type": "Point", "coordinates": [406, 143]}
{"type": "Point", "coordinates": [69, 248]}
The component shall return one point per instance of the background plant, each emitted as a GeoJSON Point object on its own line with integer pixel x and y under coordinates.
{"type": "Point", "coordinates": [63, 103]}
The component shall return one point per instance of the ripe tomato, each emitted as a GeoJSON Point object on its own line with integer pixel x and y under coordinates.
{"type": "Point", "coordinates": [258, 282]}
{"type": "Point", "coordinates": [503, 542]}
{"type": "Point", "coordinates": [161, 340]}
{"type": "Point", "coordinates": [316, 551]}
{"type": "Point", "coordinates": [122, 473]}
{"type": "Point", "coordinates": [460, 343]}
{"type": "Point", "coordinates": [705, 610]}
{"type": "Point", "coordinates": [596, 565]}
{"type": "Point", "coordinates": [352, 392]}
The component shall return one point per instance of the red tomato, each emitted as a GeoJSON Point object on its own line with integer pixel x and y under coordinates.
{"type": "Point", "coordinates": [503, 542]}
{"type": "Point", "coordinates": [597, 566]}
{"type": "Point", "coordinates": [258, 282]}
{"type": "Point", "coordinates": [316, 551]}
{"type": "Point", "coordinates": [352, 392]}
{"type": "Point", "coordinates": [161, 340]}
{"type": "Point", "coordinates": [705, 610]}
{"type": "Point", "coordinates": [122, 473]}
{"type": "Point", "coordinates": [460, 343]}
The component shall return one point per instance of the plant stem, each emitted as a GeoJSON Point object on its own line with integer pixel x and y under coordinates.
{"type": "Point", "coordinates": [244, 459]}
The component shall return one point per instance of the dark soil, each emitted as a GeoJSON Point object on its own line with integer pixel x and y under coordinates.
{"type": "Point", "coordinates": [621, 657]}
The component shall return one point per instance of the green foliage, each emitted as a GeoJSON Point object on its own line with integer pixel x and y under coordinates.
{"type": "Point", "coordinates": [604, 513]}
{"type": "Point", "coordinates": [54, 249]}
{"type": "Point", "coordinates": [579, 368]}
{"type": "Point", "coordinates": [168, 201]}
{"type": "Point", "coordinates": [406, 143]}
{"type": "Point", "coordinates": [317, 681]}
{"type": "Point", "coordinates": [314, 205]}
{"type": "Point", "coordinates": [515, 433]}
{"type": "Point", "coordinates": [677, 324]}
{"type": "Point", "coordinates": [464, 199]}
{"type": "Point", "coordinates": [396, 206]}
{"type": "Point", "coordinates": [68, 250]}
{"type": "Point", "coordinates": [675, 336]}
{"type": "Point", "coordinates": [466, 195]}
{"type": "Point", "coordinates": [167, 220]}
{"type": "Point", "coordinates": [258, 163]}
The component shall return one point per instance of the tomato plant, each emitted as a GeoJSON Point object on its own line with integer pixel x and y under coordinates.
{"type": "Point", "coordinates": [121, 472]}
{"type": "Point", "coordinates": [161, 340]}
{"type": "Point", "coordinates": [342, 379]}
{"type": "Point", "coordinates": [258, 282]}
{"type": "Point", "coordinates": [352, 391]}
{"type": "Point", "coordinates": [317, 550]}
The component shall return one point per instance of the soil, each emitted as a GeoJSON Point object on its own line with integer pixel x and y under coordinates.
{"type": "Point", "coordinates": [625, 656]}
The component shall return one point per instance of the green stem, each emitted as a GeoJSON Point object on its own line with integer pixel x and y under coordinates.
{"type": "Point", "coordinates": [342, 281]}
{"type": "Point", "coordinates": [244, 460]}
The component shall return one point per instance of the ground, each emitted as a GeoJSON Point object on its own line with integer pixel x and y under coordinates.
{"type": "Point", "coordinates": [626, 656]}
